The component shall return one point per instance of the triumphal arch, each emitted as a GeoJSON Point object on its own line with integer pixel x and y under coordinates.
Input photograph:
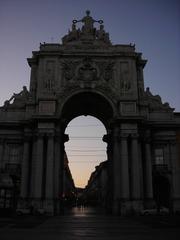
{"type": "Point", "coordinates": [88, 75]}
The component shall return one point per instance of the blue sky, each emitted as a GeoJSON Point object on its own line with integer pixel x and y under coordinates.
{"type": "Point", "coordinates": [154, 26]}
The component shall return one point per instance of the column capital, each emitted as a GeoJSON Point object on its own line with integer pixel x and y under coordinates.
{"type": "Point", "coordinates": [50, 134]}
{"type": "Point", "coordinates": [40, 134]}
{"type": "Point", "coordinates": [173, 142]}
{"type": "Point", "coordinates": [134, 135]}
{"type": "Point", "coordinates": [65, 138]}
{"type": "Point", "coordinates": [27, 137]}
{"type": "Point", "coordinates": [61, 137]}
{"type": "Point", "coordinates": [124, 135]}
{"type": "Point", "coordinates": [107, 138]}
{"type": "Point", "coordinates": [146, 136]}
{"type": "Point", "coordinates": [147, 140]}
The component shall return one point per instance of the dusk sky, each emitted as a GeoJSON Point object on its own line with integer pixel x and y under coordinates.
{"type": "Point", "coordinates": [153, 25]}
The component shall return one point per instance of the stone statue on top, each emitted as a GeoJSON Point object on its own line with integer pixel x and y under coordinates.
{"type": "Point", "coordinates": [88, 33]}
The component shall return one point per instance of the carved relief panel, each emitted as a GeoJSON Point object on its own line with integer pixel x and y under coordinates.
{"type": "Point", "coordinates": [87, 72]}
{"type": "Point", "coordinates": [128, 79]}
{"type": "Point", "coordinates": [68, 70]}
{"type": "Point", "coordinates": [49, 78]}
{"type": "Point", "coordinates": [125, 83]}
{"type": "Point", "coordinates": [106, 70]}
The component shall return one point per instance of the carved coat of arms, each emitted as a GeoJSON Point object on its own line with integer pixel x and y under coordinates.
{"type": "Point", "coordinates": [87, 72]}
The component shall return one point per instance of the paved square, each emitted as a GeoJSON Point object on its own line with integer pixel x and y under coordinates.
{"type": "Point", "coordinates": [91, 226]}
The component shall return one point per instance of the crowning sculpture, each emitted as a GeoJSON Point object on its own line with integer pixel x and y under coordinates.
{"type": "Point", "coordinates": [86, 74]}
{"type": "Point", "coordinates": [88, 32]}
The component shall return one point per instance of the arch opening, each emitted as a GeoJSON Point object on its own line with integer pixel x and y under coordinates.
{"type": "Point", "coordinates": [86, 159]}
{"type": "Point", "coordinates": [87, 163]}
{"type": "Point", "coordinates": [93, 109]}
{"type": "Point", "coordinates": [88, 103]}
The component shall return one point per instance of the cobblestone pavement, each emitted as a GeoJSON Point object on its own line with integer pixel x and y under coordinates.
{"type": "Point", "coordinates": [90, 226]}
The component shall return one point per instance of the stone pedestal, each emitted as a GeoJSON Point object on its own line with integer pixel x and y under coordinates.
{"type": "Point", "coordinates": [49, 207]}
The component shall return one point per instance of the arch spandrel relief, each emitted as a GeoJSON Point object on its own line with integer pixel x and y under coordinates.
{"type": "Point", "coordinates": [87, 70]}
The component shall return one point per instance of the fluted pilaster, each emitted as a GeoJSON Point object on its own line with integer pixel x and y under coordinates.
{"type": "Point", "coordinates": [50, 167]}
{"type": "Point", "coordinates": [124, 167]}
{"type": "Point", "coordinates": [38, 167]}
{"type": "Point", "coordinates": [25, 168]}
{"type": "Point", "coordinates": [135, 168]}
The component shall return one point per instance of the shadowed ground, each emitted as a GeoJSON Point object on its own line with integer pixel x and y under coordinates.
{"type": "Point", "coordinates": [87, 224]}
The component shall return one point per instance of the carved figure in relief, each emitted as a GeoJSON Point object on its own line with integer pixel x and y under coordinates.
{"type": "Point", "coordinates": [49, 77]}
{"type": "Point", "coordinates": [156, 98]}
{"type": "Point", "coordinates": [108, 71]}
{"type": "Point", "coordinates": [155, 101]}
{"type": "Point", "coordinates": [49, 84]}
{"type": "Point", "coordinates": [19, 98]}
{"type": "Point", "coordinates": [68, 69]}
{"type": "Point", "coordinates": [125, 85]}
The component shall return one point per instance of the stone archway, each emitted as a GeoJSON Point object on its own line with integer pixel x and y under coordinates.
{"type": "Point", "coordinates": [88, 103]}
{"type": "Point", "coordinates": [87, 74]}
{"type": "Point", "coordinates": [96, 105]}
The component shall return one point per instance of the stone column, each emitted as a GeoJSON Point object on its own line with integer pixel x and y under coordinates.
{"type": "Point", "coordinates": [38, 167]}
{"type": "Point", "coordinates": [57, 172]}
{"type": "Point", "coordinates": [124, 175]}
{"type": "Point", "coordinates": [175, 163]}
{"type": "Point", "coordinates": [116, 171]}
{"type": "Point", "coordinates": [50, 167]}
{"type": "Point", "coordinates": [33, 166]}
{"type": "Point", "coordinates": [49, 193]}
{"type": "Point", "coordinates": [25, 169]}
{"type": "Point", "coordinates": [109, 188]}
{"type": "Point", "coordinates": [148, 174]}
{"type": "Point", "coordinates": [5, 153]}
{"type": "Point", "coordinates": [124, 168]}
{"type": "Point", "coordinates": [1, 153]}
{"type": "Point", "coordinates": [135, 173]}
{"type": "Point", "coordinates": [57, 166]}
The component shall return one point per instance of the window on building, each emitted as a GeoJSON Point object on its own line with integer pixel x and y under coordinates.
{"type": "Point", "coordinates": [159, 156]}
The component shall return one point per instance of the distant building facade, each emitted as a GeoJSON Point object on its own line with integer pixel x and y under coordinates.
{"type": "Point", "coordinates": [88, 75]}
{"type": "Point", "coordinates": [96, 192]}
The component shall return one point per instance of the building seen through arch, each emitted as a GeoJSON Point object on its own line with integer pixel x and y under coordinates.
{"type": "Point", "coordinates": [87, 75]}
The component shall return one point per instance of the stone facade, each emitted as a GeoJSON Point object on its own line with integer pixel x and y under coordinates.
{"type": "Point", "coordinates": [88, 75]}
{"type": "Point", "coordinates": [96, 192]}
